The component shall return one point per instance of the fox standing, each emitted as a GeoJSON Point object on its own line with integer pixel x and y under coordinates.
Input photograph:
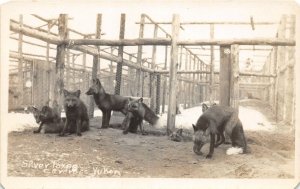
{"type": "Point", "coordinates": [107, 102]}
{"type": "Point", "coordinates": [214, 121]}
{"type": "Point", "coordinates": [76, 113]}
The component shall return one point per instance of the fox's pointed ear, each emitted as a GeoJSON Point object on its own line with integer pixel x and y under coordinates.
{"type": "Point", "coordinates": [65, 92]}
{"type": "Point", "coordinates": [194, 127]}
{"type": "Point", "coordinates": [77, 93]}
{"type": "Point", "coordinates": [179, 131]}
{"type": "Point", "coordinates": [141, 99]}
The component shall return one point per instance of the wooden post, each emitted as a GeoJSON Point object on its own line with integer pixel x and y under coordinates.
{"type": "Point", "coordinates": [290, 84]}
{"type": "Point", "coordinates": [186, 83]}
{"type": "Point", "coordinates": [212, 66]}
{"type": "Point", "coordinates": [194, 76]}
{"type": "Point", "coordinates": [234, 77]}
{"type": "Point", "coordinates": [173, 75]}
{"type": "Point", "coordinates": [120, 55]}
{"type": "Point", "coordinates": [139, 55]}
{"type": "Point", "coordinates": [152, 80]}
{"type": "Point", "coordinates": [20, 64]}
{"type": "Point", "coordinates": [190, 84]}
{"type": "Point", "coordinates": [68, 69]}
{"type": "Point", "coordinates": [96, 63]}
{"type": "Point", "coordinates": [157, 107]}
{"type": "Point", "coordinates": [131, 73]}
{"type": "Point", "coordinates": [225, 75]}
{"type": "Point", "coordinates": [49, 71]}
{"type": "Point", "coordinates": [60, 59]}
{"type": "Point", "coordinates": [165, 81]}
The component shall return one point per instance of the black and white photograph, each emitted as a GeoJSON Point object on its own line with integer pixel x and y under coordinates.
{"type": "Point", "coordinates": [137, 93]}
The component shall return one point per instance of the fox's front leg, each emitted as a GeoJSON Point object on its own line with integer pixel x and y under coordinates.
{"type": "Point", "coordinates": [78, 127]}
{"type": "Point", "coordinates": [65, 128]}
{"type": "Point", "coordinates": [39, 129]}
{"type": "Point", "coordinates": [142, 129]}
{"type": "Point", "coordinates": [126, 123]}
{"type": "Point", "coordinates": [212, 146]}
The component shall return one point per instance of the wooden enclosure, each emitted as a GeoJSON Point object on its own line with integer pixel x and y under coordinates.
{"type": "Point", "coordinates": [183, 78]}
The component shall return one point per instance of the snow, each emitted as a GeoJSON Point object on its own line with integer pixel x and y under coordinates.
{"type": "Point", "coordinates": [251, 119]}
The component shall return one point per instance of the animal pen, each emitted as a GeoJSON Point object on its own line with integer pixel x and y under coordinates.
{"type": "Point", "coordinates": [182, 78]}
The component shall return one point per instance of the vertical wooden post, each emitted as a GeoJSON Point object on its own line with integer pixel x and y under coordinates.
{"type": "Point", "coordinates": [201, 80]}
{"type": "Point", "coordinates": [234, 77]}
{"type": "Point", "coordinates": [68, 69]}
{"type": "Point", "coordinates": [96, 63]}
{"type": "Point", "coordinates": [157, 107]}
{"type": "Point", "coordinates": [190, 84]}
{"type": "Point", "coordinates": [131, 73]}
{"type": "Point", "coordinates": [194, 80]}
{"type": "Point", "coordinates": [173, 74]}
{"type": "Point", "coordinates": [139, 55]}
{"type": "Point", "coordinates": [225, 75]}
{"type": "Point", "coordinates": [186, 84]}
{"type": "Point", "coordinates": [212, 66]}
{"type": "Point", "coordinates": [290, 84]}
{"type": "Point", "coordinates": [120, 55]}
{"type": "Point", "coordinates": [152, 87]}
{"type": "Point", "coordinates": [111, 66]}
{"type": "Point", "coordinates": [49, 71]}
{"type": "Point", "coordinates": [20, 64]}
{"type": "Point", "coordinates": [165, 80]}
{"type": "Point", "coordinates": [60, 59]}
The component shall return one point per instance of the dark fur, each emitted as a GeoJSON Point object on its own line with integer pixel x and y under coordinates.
{"type": "Point", "coordinates": [76, 113]}
{"type": "Point", "coordinates": [216, 120]}
{"type": "Point", "coordinates": [131, 123]}
{"type": "Point", "coordinates": [138, 111]}
{"type": "Point", "coordinates": [107, 102]}
{"type": "Point", "coordinates": [49, 119]}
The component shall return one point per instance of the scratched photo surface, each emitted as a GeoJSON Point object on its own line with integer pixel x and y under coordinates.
{"type": "Point", "coordinates": [184, 95]}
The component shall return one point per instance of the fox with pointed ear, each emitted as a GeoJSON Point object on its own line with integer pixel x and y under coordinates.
{"type": "Point", "coordinates": [214, 121]}
{"type": "Point", "coordinates": [77, 119]}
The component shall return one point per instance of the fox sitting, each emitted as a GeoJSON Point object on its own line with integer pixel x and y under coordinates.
{"type": "Point", "coordinates": [77, 119]}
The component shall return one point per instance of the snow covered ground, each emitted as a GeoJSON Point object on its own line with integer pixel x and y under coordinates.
{"type": "Point", "coordinates": [251, 119]}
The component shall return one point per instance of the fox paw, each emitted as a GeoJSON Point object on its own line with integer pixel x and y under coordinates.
{"type": "Point", "coordinates": [208, 156]}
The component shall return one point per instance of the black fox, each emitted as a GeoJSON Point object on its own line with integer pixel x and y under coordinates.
{"type": "Point", "coordinates": [49, 120]}
{"type": "Point", "coordinates": [138, 111]}
{"type": "Point", "coordinates": [76, 113]}
{"type": "Point", "coordinates": [107, 102]}
{"type": "Point", "coordinates": [214, 121]}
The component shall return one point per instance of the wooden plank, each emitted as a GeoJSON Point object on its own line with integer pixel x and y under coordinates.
{"type": "Point", "coordinates": [60, 59]}
{"type": "Point", "coordinates": [256, 41]}
{"type": "Point", "coordinates": [214, 22]}
{"type": "Point", "coordinates": [234, 77]}
{"type": "Point", "coordinates": [173, 75]}
{"type": "Point", "coordinates": [212, 65]}
{"type": "Point", "coordinates": [152, 79]}
{"type": "Point", "coordinates": [20, 65]}
{"type": "Point", "coordinates": [224, 75]}
{"type": "Point", "coordinates": [165, 81]}
{"type": "Point", "coordinates": [146, 41]}
{"type": "Point", "coordinates": [139, 56]}
{"type": "Point", "coordinates": [120, 55]}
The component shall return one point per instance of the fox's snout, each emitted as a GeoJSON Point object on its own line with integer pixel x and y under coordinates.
{"type": "Point", "coordinates": [90, 92]}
